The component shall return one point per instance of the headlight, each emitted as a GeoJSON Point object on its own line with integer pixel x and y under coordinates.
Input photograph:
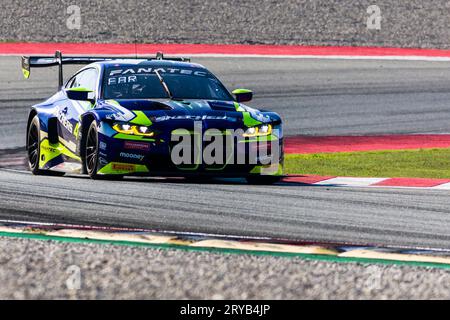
{"type": "Point", "coordinates": [127, 128]}
{"type": "Point", "coordinates": [266, 129]}
{"type": "Point", "coordinates": [263, 130]}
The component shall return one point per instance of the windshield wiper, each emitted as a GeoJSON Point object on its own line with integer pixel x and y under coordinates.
{"type": "Point", "coordinates": [164, 84]}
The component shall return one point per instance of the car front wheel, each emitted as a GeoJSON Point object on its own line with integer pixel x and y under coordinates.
{"type": "Point", "coordinates": [91, 151]}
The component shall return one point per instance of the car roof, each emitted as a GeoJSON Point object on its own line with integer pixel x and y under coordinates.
{"type": "Point", "coordinates": [149, 63]}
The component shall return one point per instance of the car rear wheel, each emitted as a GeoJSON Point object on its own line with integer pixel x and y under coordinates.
{"type": "Point", "coordinates": [33, 146]}
{"type": "Point", "coordinates": [34, 149]}
{"type": "Point", "coordinates": [91, 152]}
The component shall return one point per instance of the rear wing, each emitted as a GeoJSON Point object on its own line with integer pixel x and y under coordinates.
{"type": "Point", "coordinates": [59, 61]}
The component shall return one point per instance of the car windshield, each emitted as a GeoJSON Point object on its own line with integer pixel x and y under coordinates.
{"type": "Point", "coordinates": [143, 83]}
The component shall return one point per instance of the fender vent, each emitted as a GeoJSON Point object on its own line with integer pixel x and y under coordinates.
{"type": "Point", "coordinates": [53, 130]}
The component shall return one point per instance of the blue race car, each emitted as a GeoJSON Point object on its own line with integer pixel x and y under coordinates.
{"type": "Point", "coordinates": [155, 117]}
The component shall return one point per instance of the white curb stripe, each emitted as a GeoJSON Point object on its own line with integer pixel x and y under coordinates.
{"type": "Point", "coordinates": [445, 186]}
{"type": "Point", "coordinates": [351, 182]}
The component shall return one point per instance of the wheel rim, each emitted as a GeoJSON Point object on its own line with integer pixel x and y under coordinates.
{"type": "Point", "coordinates": [33, 146]}
{"type": "Point", "coordinates": [91, 150]}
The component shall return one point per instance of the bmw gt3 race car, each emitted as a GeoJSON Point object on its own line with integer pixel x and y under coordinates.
{"type": "Point", "coordinates": [154, 117]}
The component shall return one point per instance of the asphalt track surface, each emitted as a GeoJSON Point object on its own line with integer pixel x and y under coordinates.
{"type": "Point", "coordinates": [318, 97]}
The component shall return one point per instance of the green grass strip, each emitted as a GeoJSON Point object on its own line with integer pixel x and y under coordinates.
{"type": "Point", "coordinates": [423, 163]}
{"type": "Point", "coordinates": [316, 257]}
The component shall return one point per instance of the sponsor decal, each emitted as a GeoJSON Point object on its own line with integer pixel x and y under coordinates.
{"type": "Point", "coordinates": [124, 76]}
{"type": "Point", "coordinates": [122, 80]}
{"type": "Point", "coordinates": [115, 116]}
{"type": "Point", "coordinates": [103, 162]}
{"type": "Point", "coordinates": [64, 121]}
{"type": "Point", "coordinates": [77, 132]}
{"type": "Point", "coordinates": [196, 118]}
{"type": "Point", "coordinates": [103, 145]}
{"type": "Point", "coordinates": [123, 167]}
{"type": "Point", "coordinates": [132, 156]}
{"type": "Point", "coordinates": [49, 149]}
{"type": "Point", "coordinates": [260, 117]}
{"type": "Point", "coordinates": [133, 71]}
{"type": "Point", "coordinates": [136, 146]}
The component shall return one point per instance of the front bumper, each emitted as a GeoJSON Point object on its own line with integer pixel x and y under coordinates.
{"type": "Point", "coordinates": [128, 155]}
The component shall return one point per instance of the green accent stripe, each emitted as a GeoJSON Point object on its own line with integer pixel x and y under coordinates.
{"type": "Point", "coordinates": [141, 119]}
{"type": "Point", "coordinates": [261, 139]}
{"type": "Point", "coordinates": [267, 170]}
{"type": "Point", "coordinates": [238, 107]}
{"type": "Point", "coordinates": [241, 91]}
{"type": "Point", "coordinates": [114, 103]}
{"type": "Point", "coordinates": [51, 151]}
{"type": "Point", "coordinates": [108, 169]}
{"type": "Point", "coordinates": [315, 257]}
{"type": "Point", "coordinates": [123, 136]}
{"type": "Point", "coordinates": [249, 121]}
{"type": "Point", "coordinates": [26, 73]}
{"type": "Point", "coordinates": [80, 89]}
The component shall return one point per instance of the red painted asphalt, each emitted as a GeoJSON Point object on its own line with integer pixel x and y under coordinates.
{"type": "Point", "coordinates": [388, 182]}
{"type": "Point", "coordinates": [306, 179]}
{"type": "Point", "coordinates": [311, 145]}
{"type": "Point", "coordinates": [411, 182]}
{"type": "Point", "coordinates": [329, 144]}
{"type": "Point", "coordinates": [237, 49]}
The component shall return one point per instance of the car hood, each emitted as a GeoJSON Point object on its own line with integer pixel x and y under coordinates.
{"type": "Point", "coordinates": [165, 110]}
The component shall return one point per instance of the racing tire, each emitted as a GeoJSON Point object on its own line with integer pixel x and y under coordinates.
{"type": "Point", "coordinates": [90, 159]}
{"type": "Point", "coordinates": [263, 180]}
{"type": "Point", "coordinates": [34, 150]}
{"type": "Point", "coordinates": [91, 151]}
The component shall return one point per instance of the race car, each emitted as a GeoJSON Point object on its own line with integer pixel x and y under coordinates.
{"type": "Point", "coordinates": [153, 116]}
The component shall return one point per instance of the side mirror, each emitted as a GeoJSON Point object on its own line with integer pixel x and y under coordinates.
{"type": "Point", "coordinates": [80, 94]}
{"type": "Point", "coordinates": [243, 95]}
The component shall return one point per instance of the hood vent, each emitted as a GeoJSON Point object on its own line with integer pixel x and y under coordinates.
{"type": "Point", "coordinates": [222, 106]}
{"type": "Point", "coordinates": [144, 105]}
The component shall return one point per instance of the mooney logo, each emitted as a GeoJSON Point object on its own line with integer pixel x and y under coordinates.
{"type": "Point", "coordinates": [132, 156]}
